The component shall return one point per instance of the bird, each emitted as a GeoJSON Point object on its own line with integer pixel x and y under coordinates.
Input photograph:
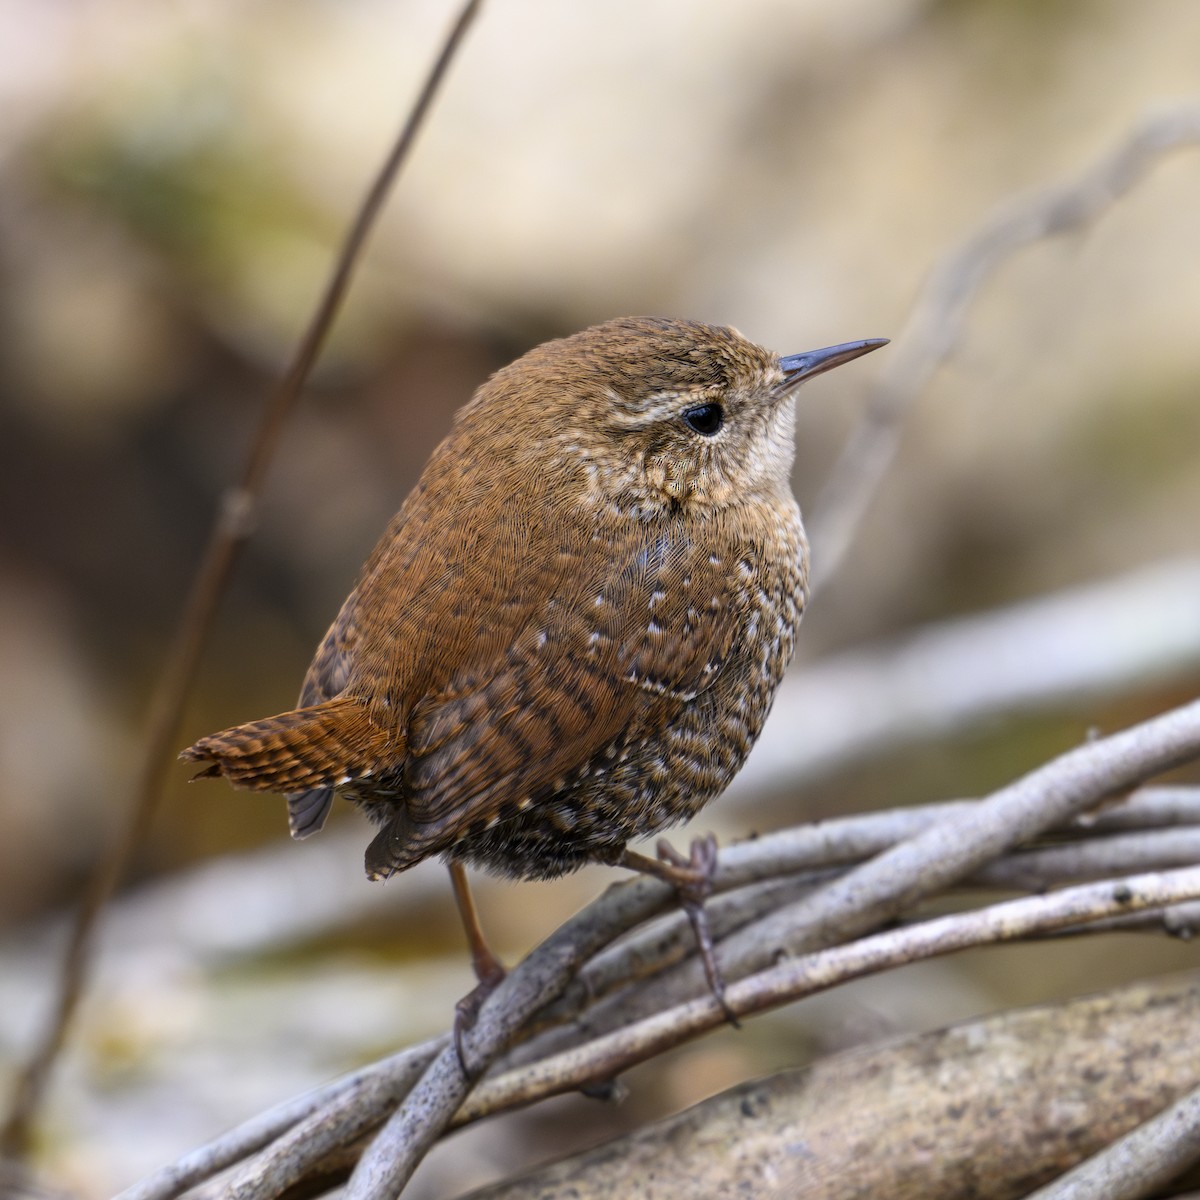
{"type": "Point", "coordinates": [570, 635]}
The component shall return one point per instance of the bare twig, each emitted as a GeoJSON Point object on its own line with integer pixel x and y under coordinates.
{"type": "Point", "coordinates": [1179, 921]}
{"type": "Point", "coordinates": [1050, 795]}
{"type": "Point", "coordinates": [939, 316]}
{"type": "Point", "coordinates": [294, 1136]}
{"type": "Point", "coordinates": [1140, 1163]}
{"type": "Point", "coordinates": [990, 1109]}
{"type": "Point", "coordinates": [1148, 808]}
{"type": "Point", "coordinates": [605, 1057]}
{"type": "Point", "coordinates": [231, 530]}
{"type": "Point", "coordinates": [1094, 858]}
{"type": "Point", "coordinates": [946, 852]}
{"type": "Point", "coordinates": [222, 912]}
{"type": "Point", "coordinates": [348, 1115]}
{"type": "Point", "coordinates": [311, 1115]}
{"type": "Point", "coordinates": [528, 987]}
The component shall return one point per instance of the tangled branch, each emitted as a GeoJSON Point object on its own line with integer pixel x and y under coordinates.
{"type": "Point", "coordinates": [544, 1031]}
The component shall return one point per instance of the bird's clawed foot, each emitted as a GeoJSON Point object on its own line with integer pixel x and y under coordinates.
{"type": "Point", "coordinates": [466, 1011]}
{"type": "Point", "coordinates": [692, 878]}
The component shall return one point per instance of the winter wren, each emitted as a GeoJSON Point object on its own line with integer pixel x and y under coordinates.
{"type": "Point", "coordinates": [571, 633]}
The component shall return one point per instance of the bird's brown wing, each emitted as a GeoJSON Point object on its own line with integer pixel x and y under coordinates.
{"type": "Point", "coordinates": [331, 665]}
{"type": "Point", "coordinates": [593, 659]}
{"type": "Point", "coordinates": [327, 676]}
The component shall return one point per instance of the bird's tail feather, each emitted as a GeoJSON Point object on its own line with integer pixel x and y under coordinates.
{"type": "Point", "coordinates": [307, 811]}
{"type": "Point", "coordinates": [323, 746]}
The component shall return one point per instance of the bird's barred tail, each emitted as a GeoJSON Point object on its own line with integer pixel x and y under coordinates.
{"type": "Point", "coordinates": [324, 746]}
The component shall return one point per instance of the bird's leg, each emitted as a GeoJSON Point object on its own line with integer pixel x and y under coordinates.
{"type": "Point", "coordinates": [692, 879]}
{"type": "Point", "coordinates": [489, 971]}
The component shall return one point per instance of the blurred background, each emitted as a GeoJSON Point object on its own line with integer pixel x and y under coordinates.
{"type": "Point", "coordinates": [174, 181]}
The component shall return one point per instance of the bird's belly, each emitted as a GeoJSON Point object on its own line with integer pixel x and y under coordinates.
{"type": "Point", "coordinates": [650, 778]}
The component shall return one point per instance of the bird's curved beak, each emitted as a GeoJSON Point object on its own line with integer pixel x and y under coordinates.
{"type": "Point", "coordinates": [799, 367]}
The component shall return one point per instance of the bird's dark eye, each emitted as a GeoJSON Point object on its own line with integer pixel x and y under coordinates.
{"type": "Point", "coordinates": [705, 419]}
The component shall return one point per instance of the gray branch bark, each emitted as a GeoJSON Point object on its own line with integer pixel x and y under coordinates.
{"type": "Point", "coordinates": [983, 1111]}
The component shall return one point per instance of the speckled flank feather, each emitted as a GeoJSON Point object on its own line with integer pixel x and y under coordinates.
{"type": "Point", "coordinates": [573, 629]}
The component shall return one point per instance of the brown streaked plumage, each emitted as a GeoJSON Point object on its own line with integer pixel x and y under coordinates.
{"type": "Point", "coordinates": [573, 629]}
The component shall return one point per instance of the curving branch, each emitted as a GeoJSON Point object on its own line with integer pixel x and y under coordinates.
{"type": "Point", "coordinates": [945, 853]}
{"type": "Point", "coordinates": [939, 317]}
{"type": "Point", "coordinates": [579, 1041]}
{"type": "Point", "coordinates": [306, 1131]}
{"type": "Point", "coordinates": [1007, 1100]}
{"type": "Point", "coordinates": [603, 1058]}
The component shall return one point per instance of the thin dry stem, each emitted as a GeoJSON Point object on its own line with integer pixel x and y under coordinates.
{"type": "Point", "coordinates": [605, 1057]}
{"type": "Point", "coordinates": [939, 316]}
{"type": "Point", "coordinates": [1077, 779]}
{"type": "Point", "coordinates": [232, 528]}
{"type": "Point", "coordinates": [941, 855]}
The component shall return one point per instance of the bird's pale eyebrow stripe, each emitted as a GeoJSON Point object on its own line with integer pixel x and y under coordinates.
{"type": "Point", "coordinates": [660, 406]}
